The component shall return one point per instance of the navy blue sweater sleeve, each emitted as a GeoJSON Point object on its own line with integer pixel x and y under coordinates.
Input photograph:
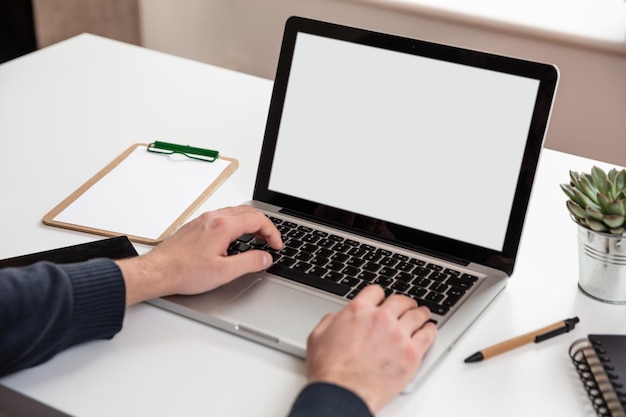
{"type": "Point", "coordinates": [45, 308]}
{"type": "Point", "coordinates": [328, 400]}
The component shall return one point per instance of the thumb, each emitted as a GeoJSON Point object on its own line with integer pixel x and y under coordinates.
{"type": "Point", "coordinates": [247, 262]}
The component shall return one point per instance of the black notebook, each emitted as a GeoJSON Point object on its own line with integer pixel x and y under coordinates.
{"type": "Point", "coordinates": [601, 364]}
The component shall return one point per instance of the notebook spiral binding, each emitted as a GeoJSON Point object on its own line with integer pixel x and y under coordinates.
{"type": "Point", "coordinates": [604, 389]}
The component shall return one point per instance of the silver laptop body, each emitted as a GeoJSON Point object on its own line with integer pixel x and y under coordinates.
{"type": "Point", "coordinates": [421, 152]}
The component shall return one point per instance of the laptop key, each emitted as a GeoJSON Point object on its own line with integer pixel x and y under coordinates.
{"type": "Point", "coordinates": [417, 292]}
{"type": "Point", "coordinates": [421, 271]}
{"type": "Point", "coordinates": [371, 266]}
{"type": "Point", "coordinates": [294, 243]}
{"type": "Point", "coordinates": [301, 266]}
{"type": "Point", "coordinates": [334, 276]}
{"type": "Point", "coordinates": [318, 271]}
{"type": "Point", "coordinates": [339, 257]}
{"type": "Point", "coordinates": [310, 238]}
{"type": "Point", "coordinates": [451, 300]}
{"type": "Point", "coordinates": [351, 271]}
{"type": "Point", "coordinates": [355, 262]}
{"type": "Point", "coordinates": [404, 277]}
{"type": "Point", "coordinates": [319, 261]}
{"type": "Point", "coordinates": [452, 272]}
{"type": "Point", "coordinates": [435, 297]}
{"type": "Point", "coordinates": [303, 256]}
{"type": "Point", "coordinates": [287, 251]}
{"type": "Point", "coordinates": [384, 282]}
{"type": "Point", "coordinates": [405, 266]}
{"type": "Point", "coordinates": [307, 279]}
{"type": "Point", "coordinates": [388, 261]}
{"type": "Point", "coordinates": [458, 282]}
{"type": "Point", "coordinates": [400, 286]}
{"type": "Point", "coordinates": [308, 247]}
{"type": "Point", "coordinates": [258, 243]}
{"type": "Point", "coordinates": [433, 307]}
{"type": "Point", "coordinates": [285, 261]}
{"type": "Point", "coordinates": [350, 281]}
{"type": "Point", "coordinates": [387, 272]}
{"type": "Point", "coordinates": [438, 276]}
{"type": "Point", "coordinates": [434, 267]}
{"type": "Point", "coordinates": [367, 276]}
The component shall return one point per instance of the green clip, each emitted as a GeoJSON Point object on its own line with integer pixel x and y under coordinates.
{"type": "Point", "coordinates": [200, 154]}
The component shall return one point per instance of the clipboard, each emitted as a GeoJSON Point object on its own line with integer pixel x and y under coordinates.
{"type": "Point", "coordinates": [146, 193]}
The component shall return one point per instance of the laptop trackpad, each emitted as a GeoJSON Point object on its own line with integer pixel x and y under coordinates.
{"type": "Point", "coordinates": [278, 312]}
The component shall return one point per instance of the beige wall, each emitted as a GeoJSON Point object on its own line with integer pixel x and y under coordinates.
{"type": "Point", "coordinates": [56, 20]}
{"type": "Point", "coordinates": [589, 117]}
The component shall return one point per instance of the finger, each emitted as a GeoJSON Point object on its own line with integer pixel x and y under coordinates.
{"type": "Point", "coordinates": [372, 294]}
{"type": "Point", "coordinates": [425, 335]}
{"type": "Point", "coordinates": [271, 235]}
{"type": "Point", "coordinates": [397, 304]}
{"type": "Point", "coordinates": [232, 222]}
{"type": "Point", "coordinates": [325, 322]}
{"type": "Point", "coordinates": [244, 263]}
{"type": "Point", "coordinates": [414, 319]}
{"type": "Point", "coordinates": [260, 226]}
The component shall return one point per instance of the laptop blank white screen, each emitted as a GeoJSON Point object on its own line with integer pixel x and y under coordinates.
{"type": "Point", "coordinates": [428, 144]}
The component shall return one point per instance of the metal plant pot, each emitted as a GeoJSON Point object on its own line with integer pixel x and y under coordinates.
{"type": "Point", "coordinates": [602, 265]}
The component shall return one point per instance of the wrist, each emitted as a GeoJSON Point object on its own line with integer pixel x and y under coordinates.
{"type": "Point", "coordinates": [144, 279]}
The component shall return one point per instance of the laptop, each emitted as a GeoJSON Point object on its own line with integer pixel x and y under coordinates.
{"type": "Point", "coordinates": [392, 161]}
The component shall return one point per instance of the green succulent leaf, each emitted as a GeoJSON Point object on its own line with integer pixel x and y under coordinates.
{"type": "Point", "coordinates": [617, 231]}
{"type": "Point", "coordinates": [599, 178]}
{"type": "Point", "coordinates": [613, 220]}
{"type": "Point", "coordinates": [620, 181]}
{"type": "Point", "coordinates": [596, 226]}
{"type": "Point", "coordinates": [610, 190]}
{"type": "Point", "coordinates": [569, 191]}
{"type": "Point", "coordinates": [587, 186]}
{"type": "Point", "coordinates": [594, 213]}
{"type": "Point", "coordinates": [603, 202]}
{"type": "Point", "coordinates": [577, 196]}
{"type": "Point", "coordinates": [576, 210]}
{"type": "Point", "coordinates": [617, 207]}
{"type": "Point", "coordinates": [597, 200]}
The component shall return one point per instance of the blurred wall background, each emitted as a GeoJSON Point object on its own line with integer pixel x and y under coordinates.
{"type": "Point", "coordinates": [589, 117]}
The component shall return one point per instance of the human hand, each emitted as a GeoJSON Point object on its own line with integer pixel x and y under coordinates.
{"type": "Point", "coordinates": [372, 347]}
{"type": "Point", "coordinates": [195, 260]}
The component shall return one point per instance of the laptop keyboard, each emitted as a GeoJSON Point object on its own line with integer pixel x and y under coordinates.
{"type": "Point", "coordinates": [344, 266]}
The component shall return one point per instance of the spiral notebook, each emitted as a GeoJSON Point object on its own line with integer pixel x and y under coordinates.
{"type": "Point", "coordinates": [601, 364]}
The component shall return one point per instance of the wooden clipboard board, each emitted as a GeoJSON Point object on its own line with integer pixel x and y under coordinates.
{"type": "Point", "coordinates": [142, 195]}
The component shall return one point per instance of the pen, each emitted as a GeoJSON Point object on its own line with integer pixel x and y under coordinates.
{"type": "Point", "coordinates": [536, 336]}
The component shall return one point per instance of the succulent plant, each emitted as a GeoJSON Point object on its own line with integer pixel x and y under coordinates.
{"type": "Point", "coordinates": [597, 200]}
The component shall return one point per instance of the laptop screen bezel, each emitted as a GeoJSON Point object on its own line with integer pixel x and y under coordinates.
{"type": "Point", "coordinates": [546, 74]}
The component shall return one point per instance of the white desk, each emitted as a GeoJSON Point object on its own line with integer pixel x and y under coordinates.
{"type": "Point", "coordinates": [67, 110]}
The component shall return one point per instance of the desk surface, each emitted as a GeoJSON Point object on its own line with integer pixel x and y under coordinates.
{"type": "Point", "coordinates": [67, 110]}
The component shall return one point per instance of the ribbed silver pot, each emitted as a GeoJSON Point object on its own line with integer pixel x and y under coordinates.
{"type": "Point", "coordinates": [602, 265]}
